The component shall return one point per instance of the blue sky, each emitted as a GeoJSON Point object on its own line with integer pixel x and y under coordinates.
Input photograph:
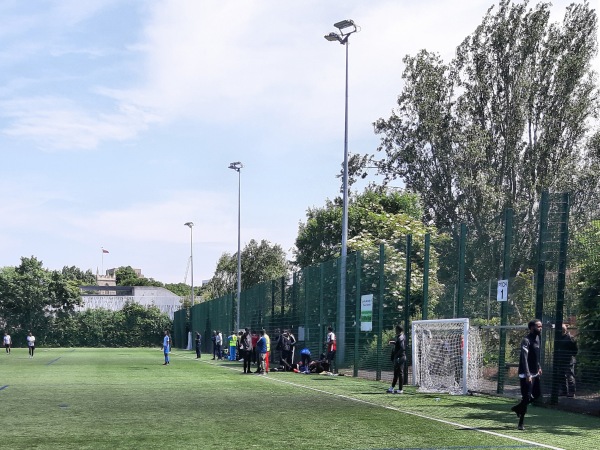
{"type": "Point", "coordinates": [119, 118]}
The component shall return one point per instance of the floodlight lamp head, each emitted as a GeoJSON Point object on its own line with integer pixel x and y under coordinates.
{"type": "Point", "coordinates": [345, 24]}
{"type": "Point", "coordinates": [236, 166]}
{"type": "Point", "coordinates": [333, 37]}
{"type": "Point", "coordinates": [189, 224]}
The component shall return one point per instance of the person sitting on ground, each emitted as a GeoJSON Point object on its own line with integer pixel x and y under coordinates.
{"type": "Point", "coordinates": [320, 365]}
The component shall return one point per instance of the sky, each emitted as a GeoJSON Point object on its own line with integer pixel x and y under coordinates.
{"type": "Point", "coordinates": [119, 119]}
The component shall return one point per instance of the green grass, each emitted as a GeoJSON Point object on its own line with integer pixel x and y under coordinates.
{"type": "Point", "coordinates": [125, 398]}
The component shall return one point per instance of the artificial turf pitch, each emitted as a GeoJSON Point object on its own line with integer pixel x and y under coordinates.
{"type": "Point", "coordinates": [126, 399]}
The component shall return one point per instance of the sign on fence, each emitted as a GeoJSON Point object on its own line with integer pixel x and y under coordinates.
{"type": "Point", "coordinates": [502, 294]}
{"type": "Point", "coordinates": [366, 312]}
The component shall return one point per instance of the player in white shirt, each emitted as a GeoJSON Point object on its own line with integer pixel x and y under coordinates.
{"type": "Point", "coordinates": [7, 342]}
{"type": "Point", "coordinates": [31, 344]}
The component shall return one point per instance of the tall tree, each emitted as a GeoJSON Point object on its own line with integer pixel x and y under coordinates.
{"type": "Point", "coordinates": [223, 280]}
{"type": "Point", "coordinates": [512, 115]}
{"type": "Point", "coordinates": [260, 262]}
{"type": "Point", "coordinates": [86, 278]}
{"type": "Point", "coordinates": [319, 239]}
{"type": "Point", "coordinates": [376, 216]}
{"type": "Point", "coordinates": [586, 251]}
{"type": "Point", "coordinates": [126, 276]}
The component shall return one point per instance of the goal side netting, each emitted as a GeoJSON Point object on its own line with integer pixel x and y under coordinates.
{"type": "Point", "coordinates": [439, 351]}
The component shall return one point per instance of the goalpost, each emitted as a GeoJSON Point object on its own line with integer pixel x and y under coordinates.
{"type": "Point", "coordinates": [439, 351]}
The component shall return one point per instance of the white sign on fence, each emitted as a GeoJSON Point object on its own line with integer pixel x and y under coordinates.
{"type": "Point", "coordinates": [366, 312]}
{"type": "Point", "coordinates": [502, 294]}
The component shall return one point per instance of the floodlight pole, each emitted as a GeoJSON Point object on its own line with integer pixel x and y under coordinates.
{"type": "Point", "coordinates": [343, 39]}
{"type": "Point", "coordinates": [191, 224]}
{"type": "Point", "coordinates": [237, 166]}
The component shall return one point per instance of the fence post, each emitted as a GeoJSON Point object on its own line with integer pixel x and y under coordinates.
{"type": "Point", "coordinates": [380, 307]}
{"type": "Point", "coordinates": [357, 314]}
{"type": "Point", "coordinates": [273, 322]}
{"type": "Point", "coordinates": [407, 296]}
{"type": "Point", "coordinates": [541, 265]}
{"type": "Point", "coordinates": [558, 377]}
{"type": "Point", "coordinates": [321, 318]}
{"type": "Point", "coordinates": [293, 305]}
{"type": "Point", "coordinates": [508, 234]}
{"type": "Point", "coordinates": [462, 249]}
{"type": "Point", "coordinates": [425, 278]}
{"type": "Point", "coordinates": [306, 284]}
{"type": "Point", "coordinates": [281, 321]}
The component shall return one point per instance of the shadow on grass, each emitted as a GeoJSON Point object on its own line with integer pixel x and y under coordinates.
{"type": "Point", "coordinates": [539, 419]}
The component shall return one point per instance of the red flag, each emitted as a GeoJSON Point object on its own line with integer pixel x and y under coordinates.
{"type": "Point", "coordinates": [104, 251]}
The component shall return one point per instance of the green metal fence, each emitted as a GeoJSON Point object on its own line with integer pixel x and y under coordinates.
{"type": "Point", "coordinates": [451, 276]}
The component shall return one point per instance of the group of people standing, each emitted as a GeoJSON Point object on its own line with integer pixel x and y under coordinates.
{"type": "Point", "coordinates": [217, 341]}
{"type": "Point", "coordinates": [244, 345]}
{"type": "Point", "coordinates": [254, 349]}
{"type": "Point", "coordinates": [30, 343]}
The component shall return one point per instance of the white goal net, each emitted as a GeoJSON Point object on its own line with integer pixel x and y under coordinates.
{"type": "Point", "coordinates": [440, 348]}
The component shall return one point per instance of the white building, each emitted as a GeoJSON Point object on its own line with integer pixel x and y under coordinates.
{"type": "Point", "coordinates": [114, 298]}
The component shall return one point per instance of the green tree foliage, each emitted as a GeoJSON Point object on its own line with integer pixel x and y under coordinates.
{"type": "Point", "coordinates": [224, 279]}
{"type": "Point", "coordinates": [512, 115]}
{"type": "Point", "coordinates": [260, 262]}
{"type": "Point", "coordinates": [86, 278]}
{"type": "Point", "coordinates": [126, 276]}
{"type": "Point", "coordinates": [182, 289]}
{"type": "Point", "coordinates": [587, 251]}
{"type": "Point", "coordinates": [144, 326]}
{"type": "Point", "coordinates": [133, 326]}
{"type": "Point", "coordinates": [369, 213]}
{"type": "Point", "coordinates": [35, 299]}
{"type": "Point", "coordinates": [31, 297]}
{"type": "Point", "coordinates": [376, 216]}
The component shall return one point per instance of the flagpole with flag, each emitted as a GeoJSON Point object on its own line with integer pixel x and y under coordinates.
{"type": "Point", "coordinates": [103, 252]}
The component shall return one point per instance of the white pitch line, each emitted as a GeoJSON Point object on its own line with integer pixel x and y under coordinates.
{"type": "Point", "coordinates": [391, 408]}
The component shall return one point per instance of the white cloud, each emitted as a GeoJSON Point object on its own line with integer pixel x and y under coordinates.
{"type": "Point", "coordinates": [251, 63]}
{"type": "Point", "coordinates": [60, 123]}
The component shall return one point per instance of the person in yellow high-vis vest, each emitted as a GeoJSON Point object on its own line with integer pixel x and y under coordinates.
{"type": "Point", "coordinates": [232, 346]}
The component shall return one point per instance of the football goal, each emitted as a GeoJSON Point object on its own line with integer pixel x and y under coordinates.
{"type": "Point", "coordinates": [446, 356]}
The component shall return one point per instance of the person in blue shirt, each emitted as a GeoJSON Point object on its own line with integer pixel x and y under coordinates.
{"type": "Point", "coordinates": [167, 347]}
{"type": "Point", "coordinates": [261, 347]}
{"type": "Point", "coordinates": [305, 355]}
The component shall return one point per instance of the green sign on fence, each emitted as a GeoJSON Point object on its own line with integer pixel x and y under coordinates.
{"type": "Point", "coordinates": [366, 312]}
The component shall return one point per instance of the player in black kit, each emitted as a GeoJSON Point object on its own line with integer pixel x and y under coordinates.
{"type": "Point", "coordinates": [530, 370]}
